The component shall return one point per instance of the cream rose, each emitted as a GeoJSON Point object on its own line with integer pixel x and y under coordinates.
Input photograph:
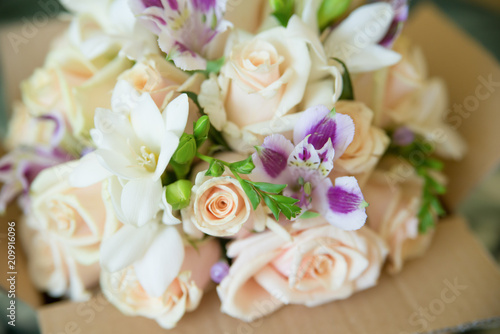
{"type": "Point", "coordinates": [394, 205]}
{"type": "Point", "coordinates": [123, 289]}
{"type": "Point", "coordinates": [321, 264]}
{"type": "Point", "coordinates": [73, 86]}
{"type": "Point", "coordinates": [368, 145]}
{"type": "Point", "coordinates": [267, 78]}
{"type": "Point", "coordinates": [263, 79]}
{"type": "Point", "coordinates": [218, 207]}
{"type": "Point", "coordinates": [24, 129]}
{"type": "Point", "coordinates": [403, 94]}
{"type": "Point", "coordinates": [65, 227]}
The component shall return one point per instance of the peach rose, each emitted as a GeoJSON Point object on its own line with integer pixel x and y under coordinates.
{"type": "Point", "coordinates": [24, 129]}
{"type": "Point", "coordinates": [368, 144]}
{"type": "Point", "coordinates": [218, 207]}
{"type": "Point", "coordinates": [407, 76]}
{"type": "Point", "coordinates": [161, 79]}
{"type": "Point", "coordinates": [124, 291]}
{"type": "Point", "coordinates": [320, 265]}
{"type": "Point", "coordinates": [53, 270]}
{"type": "Point", "coordinates": [392, 214]}
{"type": "Point", "coordinates": [403, 94]}
{"type": "Point", "coordinates": [65, 227]}
{"type": "Point", "coordinates": [387, 88]}
{"type": "Point", "coordinates": [267, 78]}
{"type": "Point", "coordinates": [72, 86]}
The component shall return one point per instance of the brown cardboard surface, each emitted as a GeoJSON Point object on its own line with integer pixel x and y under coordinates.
{"type": "Point", "coordinates": [24, 289]}
{"type": "Point", "coordinates": [399, 304]}
{"type": "Point", "coordinates": [465, 66]}
{"type": "Point", "coordinates": [417, 299]}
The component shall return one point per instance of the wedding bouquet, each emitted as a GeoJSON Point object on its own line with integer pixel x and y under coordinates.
{"type": "Point", "coordinates": [285, 150]}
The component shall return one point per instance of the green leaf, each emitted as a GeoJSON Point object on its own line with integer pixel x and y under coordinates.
{"type": "Point", "coordinates": [215, 169]}
{"type": "Point", "coordinates": [214, 66]}
{"type": "Point", "coordinates": [178, 194]}
{"type": "Point", "coordinates": [435, 203]}
{"type": "Point", "coordinates": [284, 199]}
{"type": "Point", "coordinates": [251, 193]}
{"type": "Point", "coordinates": [270, 187]}
{"type": "Point", "coordinates": [296, 210]}
{"type": "Point", "coordinates": [347, 91]}
{"type": "Point", "coordinates": [426, 220]}
{"type": "Point", "coordinates": [286, 210]}
{"type": "Point", "coordinates": [244, 166]}
{"type": "Point", "coordinates": [272, 206]}
{"type": "Point", "coordinates": [200, 130]}
{"type": "Point", "coordinates": [434, 164]}
{"type": "Point", "coordinates": [436, 186]}
{"type": "Point", "coordinates": [309, 214]}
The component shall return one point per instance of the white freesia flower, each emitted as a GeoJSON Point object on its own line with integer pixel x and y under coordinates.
{"type": "Point", "coordinates": [135, 145]}
{"type": "Point", "coordinates": [355, 40]}
{"type": "Point", "coordinates": [155, 250]}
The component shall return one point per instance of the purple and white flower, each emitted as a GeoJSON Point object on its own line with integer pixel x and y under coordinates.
{"type": "Point", "coordinates": [185, 28]}
{"type": "Point", "coordinates": [320, 137]}
{"type": "Point", "coordinates": [19, 168]}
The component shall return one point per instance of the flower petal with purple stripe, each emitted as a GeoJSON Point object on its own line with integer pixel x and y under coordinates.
{"type": "Point", "coordinates": [59, 129]}
{"type": "Point", "coordinates": [20, 167]}
{"type": "Point", "coordinates": [341, 204]}
{"type": "Point", "coordinates": [156, 3]}
{"type": "Point", "coordinates": [177, 23]}
{"type": "Point", "coordinates": [272, 156]}
{"type": "Point", "coordinates": [322, 125]}
{"type": "Point", "coordinates": [305, 156]}
{"type": "Point", "coordinates": [204, 5]}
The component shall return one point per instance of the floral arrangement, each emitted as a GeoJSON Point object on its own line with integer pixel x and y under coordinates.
{"type": "Point", "coordinates": [285, 150]}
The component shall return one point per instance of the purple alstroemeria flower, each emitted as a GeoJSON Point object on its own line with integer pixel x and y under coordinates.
{"type": "Point", "coordinates": [320, 137]}
{"type": "Point", "coordinates": [185, 28]}
{"type": "Point", "coordinates": [401, 10]}
{"type": "Point", "coordinates": [19, 168]}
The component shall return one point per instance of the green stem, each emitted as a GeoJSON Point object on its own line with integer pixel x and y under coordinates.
{"type": "Point", "coordinates": [204, 157]}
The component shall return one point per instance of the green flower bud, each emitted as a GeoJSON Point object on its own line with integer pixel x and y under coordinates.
{"type": "Point", "coordinates": [186, 150]}
{"type": "Point", "coordinates": [179, 194]}
{"type": "Point", "coordinates": [200, 130]}
{"type": "Point", "coordinates": [282, 10]}
{"type": "Point", "coordinates": [282, 5]}
{"type": "Point", "coordinates": [216, 169]}
{"type": "Point", "coordinates": [331, 10]}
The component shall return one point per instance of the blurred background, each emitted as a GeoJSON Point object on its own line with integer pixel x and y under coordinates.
{"type": "Point", "coordinates": [479, 18]}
